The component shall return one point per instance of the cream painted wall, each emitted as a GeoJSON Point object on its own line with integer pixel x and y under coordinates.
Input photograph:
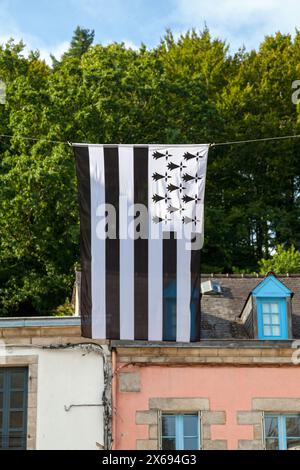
{"type": "Point", "coordinates": [65, 377]}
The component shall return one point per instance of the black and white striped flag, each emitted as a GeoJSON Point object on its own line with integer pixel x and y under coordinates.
{"type": "Point", "coordinates": [141, 217]}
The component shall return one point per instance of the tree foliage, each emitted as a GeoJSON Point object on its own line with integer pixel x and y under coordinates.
{"type": "Point", "coordinates": [282, 262]}
{"type": "Point", "coordinates": [186, 90]}
{"type": "Point", "coordinates": [81, 42]}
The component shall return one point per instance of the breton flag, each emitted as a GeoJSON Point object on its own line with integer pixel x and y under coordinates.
{"type": "Point", "coordinates": [141, 219]}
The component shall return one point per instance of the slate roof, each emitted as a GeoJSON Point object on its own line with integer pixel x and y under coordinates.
{"type": "Point", "coordinates": [220, 312]}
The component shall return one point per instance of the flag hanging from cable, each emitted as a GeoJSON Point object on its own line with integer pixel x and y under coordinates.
{"type": "Point", "coordinates": [142, 228]}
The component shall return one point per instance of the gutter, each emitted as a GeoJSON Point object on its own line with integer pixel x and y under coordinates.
{"type": "Point", "coordinates": [114, 398]}
{"type": "Point", "coordinates": [23, 322]}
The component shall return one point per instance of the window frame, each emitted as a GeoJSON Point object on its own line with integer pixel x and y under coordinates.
{"type": "Point", "coordinates": [282, 311]}
{"type": "Point", "coordinates": [281, 428]}
{"type": "Point", "coordinates": [179, 433]}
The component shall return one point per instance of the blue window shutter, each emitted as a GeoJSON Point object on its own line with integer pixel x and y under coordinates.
{"type": "Point", "coordinates": [13, 387]}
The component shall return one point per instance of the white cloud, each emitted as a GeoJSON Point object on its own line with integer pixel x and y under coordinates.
{"type": "Point", "coordinates": [32, 43]}
{"type": "Point", "coordinates": [57, 50]}
{"type": "Point", "coordinates": [240, 22]}
{"type": "Point", "coordinates": [128, 44]}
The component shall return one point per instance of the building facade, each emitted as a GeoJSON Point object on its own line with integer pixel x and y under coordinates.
{"type": "Point", "coordinates": [54, 386]}
{"type": "Point", "coordinates": [238, 388]}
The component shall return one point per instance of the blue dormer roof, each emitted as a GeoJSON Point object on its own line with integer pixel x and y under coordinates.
{"type": "Point", "coordinates": [271, 287]}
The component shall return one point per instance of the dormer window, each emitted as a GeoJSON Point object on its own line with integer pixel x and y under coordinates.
{"type": "Point", "coordinates": [267, 313]}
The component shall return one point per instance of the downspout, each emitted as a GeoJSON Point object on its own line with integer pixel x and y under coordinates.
{"type": "Point", "coordinates": [114, 399]}
{"type": "Point", "coordinates": [106, 399]}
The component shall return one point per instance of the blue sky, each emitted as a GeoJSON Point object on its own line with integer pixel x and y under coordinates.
{"type": "Point", "coordinates": [48, 24]}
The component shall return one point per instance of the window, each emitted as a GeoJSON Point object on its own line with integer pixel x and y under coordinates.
{"type": "Point", "coordinates": [282, 432]}
{"type": "Point", "coordinates": [13, 408]}
{"type": "Point", "coordinates": [272, 319]}
{"type": "Point", "coordinates": [180, 432]}
{"type": "Point", "coordinates": [272, 298]}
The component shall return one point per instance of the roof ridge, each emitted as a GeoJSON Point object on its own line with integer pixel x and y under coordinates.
{"type": "Point", "coordinates": [248, 276]}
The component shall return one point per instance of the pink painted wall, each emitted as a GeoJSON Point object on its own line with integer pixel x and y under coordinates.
{"type": "Point", "coordinates": [228, 388]}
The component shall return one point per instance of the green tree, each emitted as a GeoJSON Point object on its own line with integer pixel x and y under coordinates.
{"type": "Point", "coordinates": [258, 184]}
{"type": "Point", "coordinates": [38, 210]}
{"type": "Point", "coordinates": [81, 41]}
{"type": "Point", "coordinates": [282, 262]}
{"type": "Point", "coordinates": [185, 90]}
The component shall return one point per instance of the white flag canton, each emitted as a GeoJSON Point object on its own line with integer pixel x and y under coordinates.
{"type": "Point", "coordinates": [177, 187]}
